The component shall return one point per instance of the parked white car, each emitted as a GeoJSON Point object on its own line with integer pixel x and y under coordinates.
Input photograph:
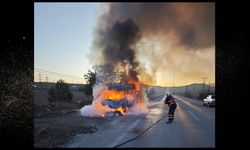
{"type": "Point", "coordinates": [209, 101]}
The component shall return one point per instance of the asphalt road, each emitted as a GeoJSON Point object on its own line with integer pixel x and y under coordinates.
{"type": "Point", "coordinates": [194, 126]}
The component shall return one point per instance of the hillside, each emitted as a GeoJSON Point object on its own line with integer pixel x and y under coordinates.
{"type": "Point", "coordinates": [192, 90]}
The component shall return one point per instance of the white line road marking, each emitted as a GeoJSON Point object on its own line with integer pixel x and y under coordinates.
{"type": "Point", "coordinates": [118, 140]}
{"type": "Point", "coordinates": [188, 103]}
{"type": "Point", "coordinates": [196, 107]}
{"type": "Point", "coordinates": [193, 115]}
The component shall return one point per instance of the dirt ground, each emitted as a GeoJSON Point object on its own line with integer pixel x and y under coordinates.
{"type": "Point", "coordinates": [53, 131]}
{"type": "Point", "coordinates": [55, 124]}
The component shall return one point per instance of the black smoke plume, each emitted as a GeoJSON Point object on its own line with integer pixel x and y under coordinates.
{"type": "Point", "coordinates": [116, 44]}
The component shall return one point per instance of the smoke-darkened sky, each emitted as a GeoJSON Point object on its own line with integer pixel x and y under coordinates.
{"type": "Point", "coordinates": [154, 40]}
{"type": "Point", "coordinates": [162, 42]}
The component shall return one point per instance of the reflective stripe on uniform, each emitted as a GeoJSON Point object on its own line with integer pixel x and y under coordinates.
{"type": "Point", "coordinates": [172, 103]}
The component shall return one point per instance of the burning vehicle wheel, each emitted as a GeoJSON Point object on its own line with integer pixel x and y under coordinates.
{"type": "Point", "coordinates": [113, 113]}
{"type": "Point", "coordinates": [117, 113]}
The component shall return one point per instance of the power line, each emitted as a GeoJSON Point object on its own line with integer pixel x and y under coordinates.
{"type": "Point", "coordinates": [45, 75]}
{"type": "Point", "coordinates": [56, 73]}
{"type": "Point", "coordinates": [174, 78]}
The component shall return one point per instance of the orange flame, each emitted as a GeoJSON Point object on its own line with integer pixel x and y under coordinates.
{"type": "Point", "coordinates": [137, 85]}
{"type": "Point", "coordinates": [118, 95]}
{"type": "Point", "coordinates": [114, 94]}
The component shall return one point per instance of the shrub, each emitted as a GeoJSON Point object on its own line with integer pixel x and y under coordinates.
{"type": "Point", "coordinates": [60, 93]}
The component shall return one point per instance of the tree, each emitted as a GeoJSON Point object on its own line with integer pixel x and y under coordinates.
{"type": "Point", "coordinates": [60, 93]}
{"type": "Point", "coordinates": [90, 78]}
{"type": "Point", "coordinates": [106, 73]}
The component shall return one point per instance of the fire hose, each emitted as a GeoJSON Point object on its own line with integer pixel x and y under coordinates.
{"type": "Point", "coordinates": [141, 132]}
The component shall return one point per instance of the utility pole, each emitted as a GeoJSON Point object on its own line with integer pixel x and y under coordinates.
{"type": "Point", "coordinates": [174, 83]}
{"type": "Point", "coordinates": [204, 80]}
{"type": "Point", "coordinates": [209, 88]}
{"type": "Point", "coordinates": [174, 79]}
{"type": "Point", "coordinates": [187, 93]}
{"type": "Point", "coordinates": [40, 78]}
{"type": "Point", "coordinates": [187, 90]}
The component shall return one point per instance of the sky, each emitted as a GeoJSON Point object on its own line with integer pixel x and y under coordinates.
{"type": "Point", "coordinates": [176, 45]}
{"type": "Point", "coordinates": [63, 35]}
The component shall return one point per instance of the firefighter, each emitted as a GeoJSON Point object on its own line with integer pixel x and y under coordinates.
{"type": "Point", "coordinates": [172, 106]}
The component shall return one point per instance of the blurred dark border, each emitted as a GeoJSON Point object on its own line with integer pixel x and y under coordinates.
{"type": "Point", "coordinates": [17, 64]}
{"type": "Point", "coordinates": [17, 59]}
{"type": "Point", "coordinates": [232, 73]}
